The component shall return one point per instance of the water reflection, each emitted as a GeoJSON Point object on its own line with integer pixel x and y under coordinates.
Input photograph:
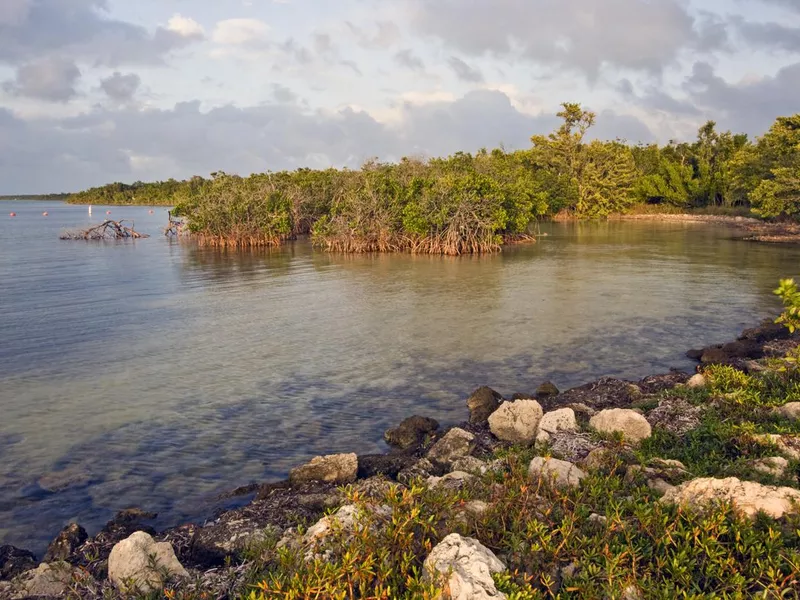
{"type": "Point", "coordinates": [161, 374]}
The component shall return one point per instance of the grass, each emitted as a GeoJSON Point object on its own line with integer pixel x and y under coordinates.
{"type": "Point", "coordinates": [551, 540]}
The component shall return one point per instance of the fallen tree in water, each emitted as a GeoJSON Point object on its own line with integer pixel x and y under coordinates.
{"type": "Point", "coordinates": [107, 230]}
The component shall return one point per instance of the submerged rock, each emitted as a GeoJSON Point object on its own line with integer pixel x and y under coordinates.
{"type": "Point", "coordinates": [516, 422]}
{"type": "Point", "coordinates": [140, 563]}
{"type": "Point", "coordinates": [747, 496]}
{"type": "Point", "coordinates": [558, 472]}
{"type": "Point", "coordinates": [547, 390]}
{"type": "Point", "coordinates": [632, 425]}
{"type": "Point", "coordinates": [455, 444]}
{"type": "Point", "coordinates": [411, 432]}
{"type": "Point", "coordinates": [333, 468]}
{"type": "Point", "coordinates": [482, 403]}
{"type": "Point", "coordinates": [66, 543]}
{"type": "Point", "coordinates": [14, 561]}
{"type": "Point", "coordinates": [464, 567]}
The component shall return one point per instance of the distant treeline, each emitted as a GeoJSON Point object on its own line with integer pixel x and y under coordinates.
{"type": "Point", "coordinates": [37, 197]}
{"type": "Point", "coordinates": [473, 203]}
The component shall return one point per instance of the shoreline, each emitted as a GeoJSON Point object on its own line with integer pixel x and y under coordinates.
{"type": "Point", "coordinates": [313, 489]}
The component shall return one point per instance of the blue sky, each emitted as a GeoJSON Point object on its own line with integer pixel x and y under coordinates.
{"type": "Point", "coordinates": [93, 91]}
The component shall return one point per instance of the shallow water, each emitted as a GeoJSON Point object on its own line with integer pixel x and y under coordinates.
{"type": "Point", "coordinates": [157, 374]}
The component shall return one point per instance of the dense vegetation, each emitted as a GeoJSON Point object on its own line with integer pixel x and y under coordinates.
{"type": "Point", "coordinates": [473, 203]}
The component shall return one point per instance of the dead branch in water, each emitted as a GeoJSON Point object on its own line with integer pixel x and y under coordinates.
{"type": "Point", "coordinates": [107, 230]}
{"type": "Point", "coordinates": [175, 227]}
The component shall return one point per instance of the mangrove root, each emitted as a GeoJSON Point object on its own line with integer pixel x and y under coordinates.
{"type": "Point", "coordinates": [107, 230]}
{"type": "Point", "coordinates": [175, 227]}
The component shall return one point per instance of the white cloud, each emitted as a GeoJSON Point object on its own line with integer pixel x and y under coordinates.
{"type": "Point", "coordinates": [240, 32]}
{"type": "Point", "coordinates": [185, 26]}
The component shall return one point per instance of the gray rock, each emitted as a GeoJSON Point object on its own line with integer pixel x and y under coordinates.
{"type": "Point", "coordinates": [452, 481]}
{"type": "Point", "coordinates": [48, 580]}
{"type": "Point", "coordinates": [140, 563]}
{"type": "Point", "coordinates": [455, 444]}
{"type": "Point", "coordinates": [675, 415]}
{"type": "Point", "coordinates": [571, 446]}
{"type": "Point", "coordinates": [775, 466]}
{"type": "Point", "coordinates": [411, 432]}
{"type": "Point", "coordinates": [334, 468]}
{"type": "Point", "coordinates": [516, 422]}
{"type": "Point", "coordinates": [482, 403]}
{"type": "Point", "coordinates": [747, 496]}
{"type": "Point", "coordinates": [788, 444]}
{"type": "Point", "coordinates": [562, 419]}
{"type": "Point", "coordinates": [475, 466]}
{"type": "Point", "coordinates": [69, 540]}
{"type": "Point", "coordinates": [14, 561]}
{"type": "Point", "coordinates": [790, 410]}
{"type": "Point", "coordinates": [633, 426]}
{"type": "Point", "coordinates": [422, 469]}
{"type": "Point", "coordinates": [559, 472]}
{"type": "Point", "coordinates": [598, 519]}
{"type": "Point", "coordinates": [465, 567]}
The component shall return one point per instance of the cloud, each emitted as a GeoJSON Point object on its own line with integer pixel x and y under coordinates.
{"type": "Point", "coordinates": [463, 71]}
{"type": "Point", "coordinates": [129, 143]}
{"type": "Point", "coordinates": [240, 32]}
{"type": "Point", "coordinates": [581, 34]}
{"type": "Point", "coordinates": [185, 27]}
{"type": "Point", "coordinates": [52, 79]}
{"type": "Point", "coordinates": [773, 36]}
{"type": "Point", "coordinates": [82, 31]}
{"type": "Point", "coordinates": [406, 58]}
{"type": "Point", "coordinates": [119, 87]}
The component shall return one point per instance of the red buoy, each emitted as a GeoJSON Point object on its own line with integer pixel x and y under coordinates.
{"type": "Point", "coordinates": [150, 212]}
{"type": "Point", "coordinates": [12, 214]}
{"type": "Point", "coordinates": [108, 212]}
{"type": "Point", "coordinates": [44, 214]}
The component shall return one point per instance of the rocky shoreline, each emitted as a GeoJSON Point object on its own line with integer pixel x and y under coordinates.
{"type": "Point", "coordinates": [214, 556]}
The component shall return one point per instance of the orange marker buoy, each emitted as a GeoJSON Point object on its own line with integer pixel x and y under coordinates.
{"type": "Point", "coordinates": [150, 212]}
{"type": "Point", "coordinates": [12, 214]}
{"type": "Point", "coordinates": [44, 214]}
{"type": "Point", "coordinates": [108, 212]}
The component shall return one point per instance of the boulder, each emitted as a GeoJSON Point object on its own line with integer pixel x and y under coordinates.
{"type": "Point", "coordinates": [788, 444]}
{"type": "Point", "coordinates": [70, 539]}
{"type": "Point", "coordinates": [747, 496]}
{"type": "Point", "coordinates": [347, 520]}
{"type": "Point", "coordinates": [14, 561]}
{"type": "Point", "coordinates": [775, 466]}
{"type": "Point", "coordinates": [411, 432]}
{"type": "Point", "coordinates": [48, 580]}
{"type": "Point", "coordinates": [482, 403]}
{"type": "Point", "coordinates": [790, 410]}
{"type": "Point", "coordinates": [547, 390]}
{"type": "Point", "coordinates": [139, 563]}
{"type": "Point", "coordinates": [452, 481]}
{"type": "Point", "coordinates": [421, 469]}
{"type": "Point", "coordinates": [559, 472]}
{"type": "Point", "coordinates": [516, 422]}
{"type": "Point", "coordinates": [697, 381]}
{"type": "Point", "coordinates": [464, 567]}
{"type": "Point", "coordinates": [389, 465]}
{"type": "Point", "coordinates": [456, 443]}
{"type": "Point", "coordinates": [475, 466]}
{"type": "Point", "coordinates": [562, 419]}
{"type": "Point", "coordinates": [334, 468]}
{"type": "Point", "coordinates": [675, 415]}
{"type": "Point", "coordinates": [632, 425]}
{"type": "Point", "coordinates": [571, 446]}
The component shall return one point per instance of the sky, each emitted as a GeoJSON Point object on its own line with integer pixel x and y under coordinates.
{"type": "Point", "coordinates": [94, 91]}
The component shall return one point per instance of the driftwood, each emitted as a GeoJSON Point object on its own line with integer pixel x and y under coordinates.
{"type": "Point", "coordinates": [107, 230]}
{"type": "Point", "coordinates": [175, 227]}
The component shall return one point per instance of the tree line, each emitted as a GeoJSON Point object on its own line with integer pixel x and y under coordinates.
{"type": "Point", "coordinates": [475, 202]}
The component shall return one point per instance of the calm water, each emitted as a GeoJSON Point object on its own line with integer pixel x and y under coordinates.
{"type": "Point", "coordinates": [159, 375]}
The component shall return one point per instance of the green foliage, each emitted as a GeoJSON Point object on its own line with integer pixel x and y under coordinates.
{"type": "Point", "coordinates": [790, 296]}
{"type": "Point", "coordinates": [473, 203]}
